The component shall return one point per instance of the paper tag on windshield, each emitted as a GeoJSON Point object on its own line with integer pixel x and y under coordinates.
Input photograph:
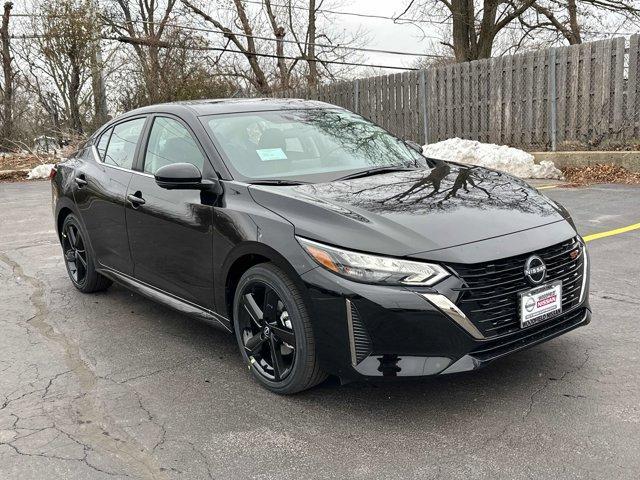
{"type": "Point", "coordinates": [271, 154]}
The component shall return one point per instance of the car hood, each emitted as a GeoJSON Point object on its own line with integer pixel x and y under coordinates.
{"type": "Point", "coordinates": [411, 212]}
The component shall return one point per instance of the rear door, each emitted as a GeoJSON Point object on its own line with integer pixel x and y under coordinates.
{"type": "Point", "coordinates": [100, 190]}
{"type": "Point", "coordinates": [170, 231]}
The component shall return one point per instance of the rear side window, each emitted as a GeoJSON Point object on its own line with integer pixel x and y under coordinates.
{"type": "Point", "coordinates": [170, 142]}
{"type": "Point", "coordinates": [102, 143]}
{"type": "Point", "coordinates": [122, 144]}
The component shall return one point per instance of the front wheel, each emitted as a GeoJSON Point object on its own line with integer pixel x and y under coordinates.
{"type": "Point", "coordinates": [273, 330]}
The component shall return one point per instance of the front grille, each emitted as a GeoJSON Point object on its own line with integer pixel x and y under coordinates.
{"type": "Point", "coordinates": [489, 297]}
{"type": "Point", "coordinates": [498, 347]}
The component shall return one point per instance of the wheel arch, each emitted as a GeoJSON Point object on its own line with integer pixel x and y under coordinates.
{"type": "Point", "coordinates": [64, 208]}
{"type": "Point", "coordinates": [239, 261]}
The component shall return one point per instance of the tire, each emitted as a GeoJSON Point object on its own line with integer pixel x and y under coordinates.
{"type": "Point", "coordinates": [304, 371]}
{"type": "Point", "coordinates": [81, 270]}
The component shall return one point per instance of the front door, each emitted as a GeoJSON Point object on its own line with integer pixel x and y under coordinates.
{"type": "Point", "coordinates": [170, 230]}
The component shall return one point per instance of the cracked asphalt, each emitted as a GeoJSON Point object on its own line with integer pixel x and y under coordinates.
{"type": "Point", "coordinates": [112, 385]}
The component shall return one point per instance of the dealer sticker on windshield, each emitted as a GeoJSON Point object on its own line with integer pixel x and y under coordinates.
{"type": "Point", "coordinates": [271, 154]}
{"type": "Point", "coordinates": [540, 304]}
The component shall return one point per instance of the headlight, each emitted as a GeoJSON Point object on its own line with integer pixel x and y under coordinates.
{"type": "Point", "coordinates": [372, 268]}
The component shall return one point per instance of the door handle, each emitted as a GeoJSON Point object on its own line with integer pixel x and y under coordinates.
{"type": "Point", "coordinates": [80, 181]}
{"type": "Point", "coordinates": [135, 200]}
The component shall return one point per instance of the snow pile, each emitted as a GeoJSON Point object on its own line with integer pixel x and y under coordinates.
{"type": "Point", "coordinates": [41, 171]}
{"type": "Point", "coordinates": [499, 157]}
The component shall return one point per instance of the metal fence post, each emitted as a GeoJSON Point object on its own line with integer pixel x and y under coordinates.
{"type": "Point", "coordinates": [423, 104]}
{"type": "Point", "coordinates": [356, 96]}
{"type": "Point", "coordinates": [553, 107]}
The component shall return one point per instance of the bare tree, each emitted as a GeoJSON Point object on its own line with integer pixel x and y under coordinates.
{"type": "Point", "coordinates": [245, 43]}
{"type": "Point", "coordinates": [475, 28]}
{"type": "Point", "coordinates": [318, 47]}
{"type": "Point", "coordinates": [6, 129]}
{"type": "Point", "coordinates": [186, 72]}
{"type": "Point", "coordinates": [569, 18]}
{"type": "Point", "coordinates": [569, 28]}
{"type": "Point", "coordinates": [145, 21]}
{"type": "Point", "coordinates": [66, 46]}
{"type": "Point", "coordinates": [474, 25]}
{"type": "Point", "coordinates": [55, 63]}
{"type": "Point", "coordinates": [284, 72]}
{"type": "Point", "coordinates": [302, 51]}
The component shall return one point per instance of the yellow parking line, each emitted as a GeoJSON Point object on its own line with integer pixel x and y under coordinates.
{"type": "Point", "coordinates": [544, 187]}
{"type": "Point", "coordinates": [595, 236]}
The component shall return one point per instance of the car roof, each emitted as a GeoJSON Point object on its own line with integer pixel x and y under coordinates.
{"type": "Point", "coordinates": [233, 105]}
{"type": "Point", "coordinates": [218, 106]}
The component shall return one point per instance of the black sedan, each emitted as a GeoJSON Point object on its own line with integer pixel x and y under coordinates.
{"type": "Point", "coordinates": [323, 242]}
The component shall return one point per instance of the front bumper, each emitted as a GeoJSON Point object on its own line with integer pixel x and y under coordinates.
{"type": "Point", "coordinates": [372, 331]}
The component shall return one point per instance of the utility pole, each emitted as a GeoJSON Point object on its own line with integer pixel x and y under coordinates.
{"type": "Point", "coordinates": [97, 75]}
{"type": "Point", "coordinates": [6, 130]}
{"type": "Point", "coordinates": [311, 47]}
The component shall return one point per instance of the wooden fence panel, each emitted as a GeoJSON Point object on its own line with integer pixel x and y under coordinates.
{"type": "Point", "coordinates": [483, 113]}
{"type": "Point", "coordinates": [465, 100]}
{"type": "Point", "coordinates": [417, 124]}
{"type": "Point", "coordinates": [528, 99]}
{"type": "Point", "coordinates": [506, 100]}
{"type": "Point", "coordinates": [517, 85]}
{"type": "Point", "coordinates": [618, 87]}
{"type": "Point", "coordinates": [386, 104]}
{"type": "Point", "coordinates": [601, 84]}
{"type": "Point", "coordinates": [397, 105]}
{"type": "Point", "coordinates": [377, 85]}
{"type": "Point", "coordinates": [587, 100]}
{"type": "Point", "coordinates": [562, 58]}
{"type": "Point", "coordinates": [406, 107]}
{"type": "Point", "coordinates": [432, 103]}
{"type": "Point", "coordinates": [431, 100]}
{"type": "Point", "coordinates": [495, 106]}
{"type": "Point", "coordinates": [633, 88]}
{"type": "Point", "coordinates": [447, 107]}
{"type": "Point", "coordinates": [573, 79]}
{"type": "Point", "coordinates": [367, 106]}
{"type": "Point", "coordinates": [540, 99]}
{"type": "Point", "coordinates": [392, 125]}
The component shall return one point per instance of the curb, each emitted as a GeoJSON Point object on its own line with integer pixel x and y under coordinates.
{"type": "Point", "coordinates": [11, 174]}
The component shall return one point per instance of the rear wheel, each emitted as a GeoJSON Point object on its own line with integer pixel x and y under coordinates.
{"type": "Point", "coordinates": [273, 330]}
{"type": "Point", "coordinates": [79, 259]}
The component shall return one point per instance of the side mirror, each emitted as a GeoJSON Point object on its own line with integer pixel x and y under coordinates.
{"type": "Point", "coordinates": [414, 145]}
{"type": "Point", "coordinates": [185, 176]}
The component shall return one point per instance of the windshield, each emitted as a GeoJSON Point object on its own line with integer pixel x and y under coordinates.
{"type": "Point", "coordinates": [306, 145]}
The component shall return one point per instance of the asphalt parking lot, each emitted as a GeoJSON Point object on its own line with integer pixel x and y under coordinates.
{"type": "Point", "coordinates": [113, 385]}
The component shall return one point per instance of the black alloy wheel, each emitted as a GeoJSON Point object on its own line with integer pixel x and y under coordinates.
{"type": "Point", "coordinates": [273, 330]}
{"type": "Point", "coordinates": [78, 258]}
{"type": "Point", "coordinates": [267, 332]}
{"type": "Point", "coordinates": [75, 253]}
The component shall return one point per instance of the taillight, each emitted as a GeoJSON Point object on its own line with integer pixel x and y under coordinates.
{"type": "Point", "coordinates": [52, 173]}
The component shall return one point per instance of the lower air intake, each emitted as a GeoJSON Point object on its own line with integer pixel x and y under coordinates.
{"type": "Point", "coordinates": [360, 343]}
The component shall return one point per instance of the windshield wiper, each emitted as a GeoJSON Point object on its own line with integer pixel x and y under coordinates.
{"type": "Point", "coordinates": [373, 171]}
{"type": "Point", "coordinates": [277, 181]}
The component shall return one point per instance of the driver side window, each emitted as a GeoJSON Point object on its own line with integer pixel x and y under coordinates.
{"type": "Point", "coordinates": [170, 142]}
